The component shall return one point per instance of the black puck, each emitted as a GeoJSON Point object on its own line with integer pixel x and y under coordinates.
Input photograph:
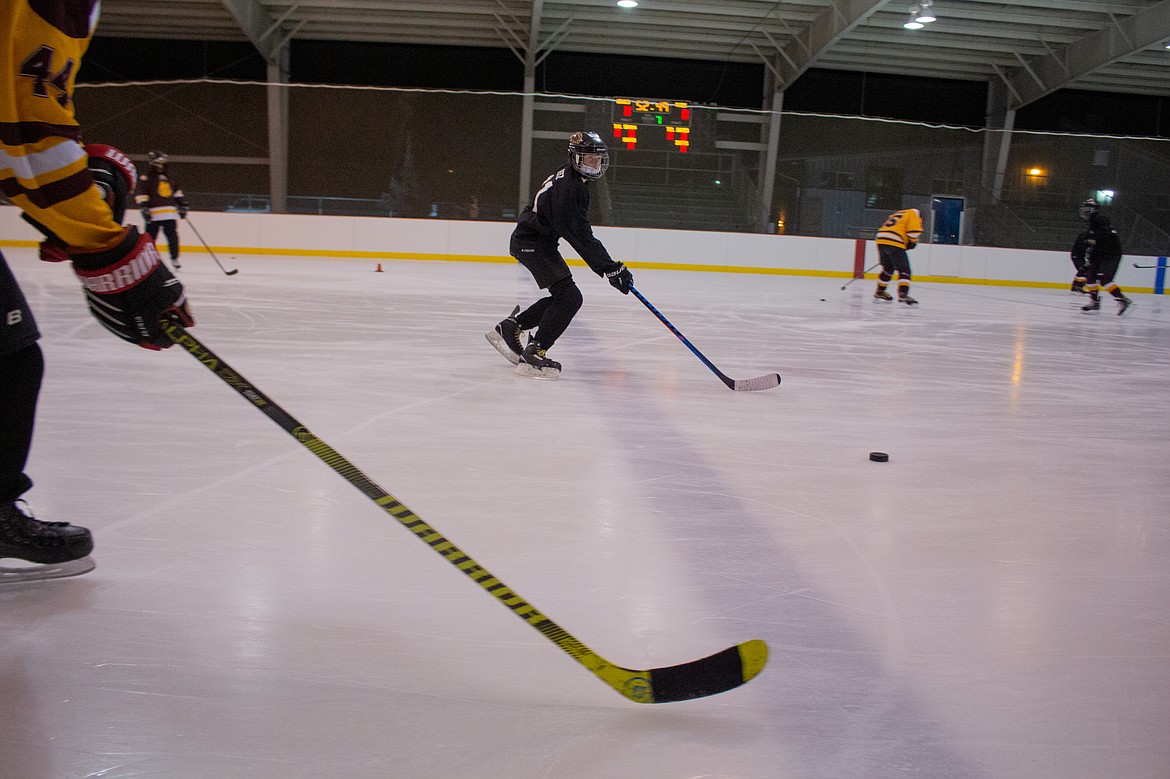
{"type": "Point", "coordinates": [879, 457]}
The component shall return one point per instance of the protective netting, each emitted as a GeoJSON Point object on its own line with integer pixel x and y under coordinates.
{"type": "Point", "coordinates": [383, 151]}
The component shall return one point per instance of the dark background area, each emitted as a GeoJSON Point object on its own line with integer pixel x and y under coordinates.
{"type": "Point", "coordinates": [729, 84]}
{"type": "Point", "coordinates": [363, 150]}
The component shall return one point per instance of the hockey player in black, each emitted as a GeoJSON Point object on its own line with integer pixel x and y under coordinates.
{"type": "Point", "coordinates": [1077, 254]}
{"type": "Point", "coordinates": [559, 210]}
{"type": "Point", "coordinates": [162, 203]}
{"type": "Point", "coordinates": [1102, 255]}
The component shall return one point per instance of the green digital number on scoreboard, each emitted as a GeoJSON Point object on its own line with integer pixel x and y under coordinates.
{"type": "Point", "coordinates": [655, 120]}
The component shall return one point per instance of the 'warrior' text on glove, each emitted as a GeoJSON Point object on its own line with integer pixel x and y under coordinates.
{"type": "Point", "coordinates": [128, 290]}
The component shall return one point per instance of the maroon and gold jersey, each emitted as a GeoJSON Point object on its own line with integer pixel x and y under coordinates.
{"type": "Point", "coordinates": [902, 229]}
{"type": "Point", "coordinates": [43, 167]}
{"type": "Point", "coordinates": [160, 193]}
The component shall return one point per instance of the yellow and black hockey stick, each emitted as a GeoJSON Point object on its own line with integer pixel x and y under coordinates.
{"type": "Point", "coordinates": [717, 673]}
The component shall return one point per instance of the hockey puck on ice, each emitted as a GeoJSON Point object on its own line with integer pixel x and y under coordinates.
{"type": "Point", "coordinates": [879, 457]}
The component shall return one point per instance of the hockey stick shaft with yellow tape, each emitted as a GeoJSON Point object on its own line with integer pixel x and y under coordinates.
{"type": "Point", "coordinates": [717, 673]}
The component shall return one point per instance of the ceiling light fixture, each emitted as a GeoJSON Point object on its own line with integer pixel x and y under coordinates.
{"type": "Point", "coordinates": [920, 15]}
{"type": "Point", "coordinates": [628, 3]}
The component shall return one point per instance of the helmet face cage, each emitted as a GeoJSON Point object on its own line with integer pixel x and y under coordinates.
{"type": "Point", "coordinates": [157, 157]}
{"type": "Point", "coordinates": [1088, 209]}
{"type": "Point", "coordinates": [582, 144]}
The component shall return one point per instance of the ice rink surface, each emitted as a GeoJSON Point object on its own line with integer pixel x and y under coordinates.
{"type": "Point", "coordinates": [992, 602]}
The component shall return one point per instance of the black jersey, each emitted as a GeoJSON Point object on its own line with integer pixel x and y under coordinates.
{"type": "Point", "coordinates": [561, 210]}
{"type": "Point", "coordinates": [1102, 244]}
{"type": "Point", "coordinates": [1079, 249]}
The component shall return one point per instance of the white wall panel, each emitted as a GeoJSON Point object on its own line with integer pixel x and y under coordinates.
{"type": "Point", "coordinates": [389, 239]}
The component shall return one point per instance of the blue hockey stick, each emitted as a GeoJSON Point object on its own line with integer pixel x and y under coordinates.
{"type": "Point", "coordinates": [767, 381]}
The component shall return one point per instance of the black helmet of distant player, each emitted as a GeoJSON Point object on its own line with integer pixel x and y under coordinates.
{"type": "Point", "coordinates": [157, 158]}
{"type": "Point", "coordinates": [588, 155]}
{"type": "Point", "coordinates": [1089, 209]}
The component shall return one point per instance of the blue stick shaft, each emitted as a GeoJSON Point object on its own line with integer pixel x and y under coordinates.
{"type": "Point", "coordinates": [681, 337]}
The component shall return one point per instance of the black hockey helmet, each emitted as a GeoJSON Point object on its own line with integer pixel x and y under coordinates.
{"type": "Point", "coordinates": [1088, 209]}
{"type": "Point", "coordinates": [157, 157]}
{"type": "Point", "coordinates": [582, 144]}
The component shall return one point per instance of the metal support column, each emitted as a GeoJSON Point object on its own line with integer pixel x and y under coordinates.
{"type": "Point", "coordinates": [277, 93]}
{"type": "Point", "coordinates": [996, 145]}
{"type": "Point", "coordinates": [527, 109]}
{"type": "Point", "coordinates": [774, 103]}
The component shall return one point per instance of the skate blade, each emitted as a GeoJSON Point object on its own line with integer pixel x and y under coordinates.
{"type": "Point", "coordinates": [531, 372]}
{"type": "Point", "coordinates": [36, 573]}
{"type": "Point", "coordinates": [496, 340]}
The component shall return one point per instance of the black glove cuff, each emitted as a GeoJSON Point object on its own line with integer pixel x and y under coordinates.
{"type": "Point", "coordinates": [99, 260]}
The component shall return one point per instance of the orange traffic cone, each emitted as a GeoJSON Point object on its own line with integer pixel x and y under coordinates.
{"type": "Point", "coordinates": [378, 269]}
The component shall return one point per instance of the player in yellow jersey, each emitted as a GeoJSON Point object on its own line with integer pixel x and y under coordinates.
{"type": "Point", "coordinates": [897, 235]}
{"type": "Point", "coordinates": [76, 196]}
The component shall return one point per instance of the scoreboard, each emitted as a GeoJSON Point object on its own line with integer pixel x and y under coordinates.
{"type": "Point", "coordinates": [652, 121]}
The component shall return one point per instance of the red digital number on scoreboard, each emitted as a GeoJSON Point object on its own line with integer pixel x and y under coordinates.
{"type": "Point", "coordinates": [672, 118]}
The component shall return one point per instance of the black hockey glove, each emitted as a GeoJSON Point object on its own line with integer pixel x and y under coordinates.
{"type": "Point", "coordinates": [182, 211]}
{"type": "Point", "coordinates": [129, 289]}
{"type": "Point", "coordinates": [146, 215]}
{"type": "Point", "coordinates": [620, 278]}
{"type": "Point", "coordinates": [910, 245]}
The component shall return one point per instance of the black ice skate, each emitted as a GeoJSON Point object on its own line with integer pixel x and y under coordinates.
{"type": "Point", "coordinates": [1078, 288]}
{"type": "Point", "coordinates": [506, 338]}
{"type": "Point", "coordinates": [907, 300]}
{"type": "Point", "coordinates": [535, 364]}
{"type": "Point", "coordinates": [1123, 306]}
{"type": "Point", "coordinates": [881, 296]}
{"type": "Point", "coordinates": [56, 549]}
{"type": "Point", "coordinates": [1091, 307]}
